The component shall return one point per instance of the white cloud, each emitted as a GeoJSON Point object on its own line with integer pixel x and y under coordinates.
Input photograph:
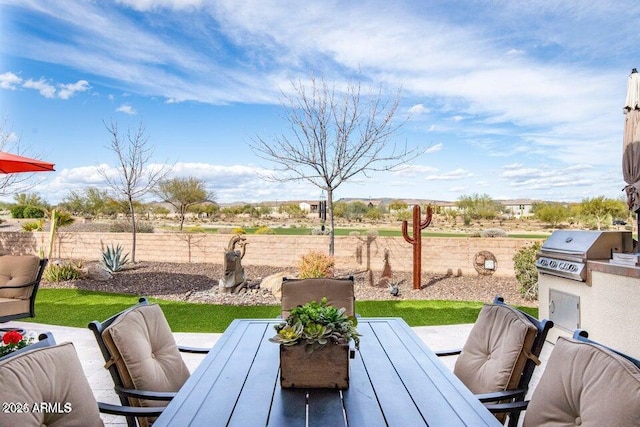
{"type": "Point", "coordinates": [145, 5]}
{"type": "Point", "coordinates": [126, 109]}
{"type": "Point", "coordinates": [418, 109]}
{"type": "Point", "coordinates": [9, 81]}
{"type": "Point", "coordinates": [45, 89]}
{"type": "Point", "coordinates": [455, 174]}
{"type": "Point", "coordinates": [66, 91]}
{"type": "Point", "coordinates": [435, 148]}
{"type": "Point", "coordinates": [414, 170]}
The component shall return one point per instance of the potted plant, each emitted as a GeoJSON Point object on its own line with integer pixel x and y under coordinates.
{"type": "Point", "coordinates": [314, 346]}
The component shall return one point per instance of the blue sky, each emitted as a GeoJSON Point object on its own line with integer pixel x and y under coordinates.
{"type": "Point", "coordinates": [510, 98]}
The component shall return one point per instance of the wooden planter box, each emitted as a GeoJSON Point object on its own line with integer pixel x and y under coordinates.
{"type": "Point", "coordinates": [326, 367]}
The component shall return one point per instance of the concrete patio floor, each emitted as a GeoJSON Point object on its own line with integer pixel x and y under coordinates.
{"type": "Point", "coordinates": [436, 337]}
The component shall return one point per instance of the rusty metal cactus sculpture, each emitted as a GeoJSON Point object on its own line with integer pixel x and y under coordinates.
{"type": "Point", "coordinates": [416, 240]}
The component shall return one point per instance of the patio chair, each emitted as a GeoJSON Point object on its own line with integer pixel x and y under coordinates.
{"type": "Point", "coordinates": [46, 383]}
{"type": "Point", "coordinates": [19, 281]}
{"type": "Point", "coordinates": [584, 383]}
{"type": "Point", "coordinates": [500, 355]}
{"type": "Point", "coordinates": [142, 356]}
{"type": "Point", "coordinates": [339, 293]}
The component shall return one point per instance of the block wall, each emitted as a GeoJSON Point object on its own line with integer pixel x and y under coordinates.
{"type": "Point", "coordinates": [439, 254]}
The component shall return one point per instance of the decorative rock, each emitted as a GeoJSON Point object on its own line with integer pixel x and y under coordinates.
{"type": "Point", "coordinates": [273, 283]}
{"type": "Point", "coordinates": [95, 272]}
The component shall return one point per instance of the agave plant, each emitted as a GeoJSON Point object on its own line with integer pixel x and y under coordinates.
{"type": "Point", "coordinates": [112, 258]}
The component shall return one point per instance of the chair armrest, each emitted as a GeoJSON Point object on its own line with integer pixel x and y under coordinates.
{"type": "Point", "coordinates": [500, 408]}
{"type": "Point", "coordinates": [145, 394]}
{"type": "Point", "coordinates": [448, 352]}
{"type": "Point", "coordinates": [185, 349]}
{"type": "Point", "coordinates": [107, 408]}
{"type": "Point", "coordinates": [501, 395]}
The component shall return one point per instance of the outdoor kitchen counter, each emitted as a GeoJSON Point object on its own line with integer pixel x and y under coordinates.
{"type": "Point", "coordinates": [607, 304]}
{"type": "Point", "coordinates": [604, 266]}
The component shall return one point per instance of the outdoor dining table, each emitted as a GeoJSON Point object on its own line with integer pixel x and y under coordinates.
{"type": "Point", "coordinates": [395, 380]}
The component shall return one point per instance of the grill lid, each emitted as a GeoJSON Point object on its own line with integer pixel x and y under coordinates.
{"type": "Point", "coordinates": [587, 244]}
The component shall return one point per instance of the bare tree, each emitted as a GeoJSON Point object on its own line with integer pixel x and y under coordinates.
{"type": "Point", "coordinates": [335, 135]}
{"type": "Point", "coordinates": [182, 193]}
{"type": "Point", "coordinates": [135, 177]}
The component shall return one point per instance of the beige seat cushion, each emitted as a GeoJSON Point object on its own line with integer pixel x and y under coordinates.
{"type": "Point", "coordinates": [585, 384]}
{"type": "Point", "coordinates": [145, 352]}
{"type": "Point", "coordinates": [496, 351]}
{"type": "Point", "coordinates": [53, 376]}
{"type": "Point", "coordinates": [339, 293]}
{"type": "Point", "coordinates": [9, 306]}
{"type": "Point", "coordinates": [18, 270]}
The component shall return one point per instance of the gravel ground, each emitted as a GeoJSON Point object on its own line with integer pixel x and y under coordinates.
{"type": "Point", "coordinates": [199, 283]}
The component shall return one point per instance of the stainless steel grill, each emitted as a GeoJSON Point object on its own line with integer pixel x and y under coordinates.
{"type": "Point", "coordinates": [565, 252]}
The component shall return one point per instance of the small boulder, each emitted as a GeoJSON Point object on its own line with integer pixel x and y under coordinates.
{"type": "Point", "coordinates": [273, 283]}
{"type": "Point", "coordinates": [96, 272]}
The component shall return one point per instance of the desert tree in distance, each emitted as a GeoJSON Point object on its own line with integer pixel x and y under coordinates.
{"type": "Point", "coordinates": [182, 193]}
{"type": "Point", "coordinates": [135, 176]}
{"type": "Point", "coordinates": [335, 134]}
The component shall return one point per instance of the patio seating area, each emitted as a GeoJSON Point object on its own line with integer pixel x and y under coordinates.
{"type": "Point", "coordinates": [436, 337]}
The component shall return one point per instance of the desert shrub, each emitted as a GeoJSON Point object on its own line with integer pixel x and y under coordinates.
{"type": "Point", "coordinates": [33, 212]}
{"type": "Point", "coordinates": [493, 232]}
{"type": "Point", "coordinates": [238, 230]}
{"type": "Point", "coordinates": [524, 264]}
{"type": "Point", "coordinates": [264, 230]}
{"type": "Point", "coordinates": [60, 272]}
{"type": "Point", "coordinates": [125, 227]}
{"type": "Point", "coordinates": [33, 226]}
{"type": "Point", "coordinates": [17, 211]}
{"type": "Point", "coordinates": [316, 264]}
{"type": "Point", "coordinates": [475, 234]}
{"type": "Point", "coordinates": [318, 231]}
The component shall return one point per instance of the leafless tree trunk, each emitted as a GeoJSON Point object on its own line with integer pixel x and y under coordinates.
{"type": "Point", "coordinates": [134, 178]}
{"type": "Point", "coordinates": [334, 136]}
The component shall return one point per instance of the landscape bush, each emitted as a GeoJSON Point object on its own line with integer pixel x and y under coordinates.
{"type": "Point", "coordinates": [264, 230]}
{"type": "Point", "coordinates": [33, 212]}
{"type": "Point", "coordinates": [60, 272]}
{"type": "Point", "coordinates": [493, 232]}
{"type": "Point", "coordinates": [524, 264]}
{"type": "Point", "coordinates": [125, 227]}
{"type": "Point", "coordinates": [33, 226]}
{"type": "Point", "coordinates": [316, 264]}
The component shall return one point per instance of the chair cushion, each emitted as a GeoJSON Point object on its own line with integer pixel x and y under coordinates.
{"type": "Point", "coordinates": [51, 382]}
{"type": "Point", "coordinates": [497, 349]}
{"type": "Point", "coordinates": [585, 384]}
{"type": "Point", "coordinates": [9, 306]}
{"type": "Point", "coordinates": [339, 293]}
{"type": "Point", "coordinates": [18, 270]}
{"type": "Point", "coordinates": [145, 352]}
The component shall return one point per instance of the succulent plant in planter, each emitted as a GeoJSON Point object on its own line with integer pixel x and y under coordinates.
{"type": "Point", "coordinates": [315, 325]}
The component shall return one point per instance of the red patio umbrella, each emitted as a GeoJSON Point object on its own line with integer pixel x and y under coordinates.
{"type": "Point", "coordinates": [12, 163]}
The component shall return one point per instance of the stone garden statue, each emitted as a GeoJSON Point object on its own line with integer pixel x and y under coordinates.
{"type": "Point", "coordinates": [234, 278]}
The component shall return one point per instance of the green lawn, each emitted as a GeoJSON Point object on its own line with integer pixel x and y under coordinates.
{"type": "Point", "coordinates": [72, 307]}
